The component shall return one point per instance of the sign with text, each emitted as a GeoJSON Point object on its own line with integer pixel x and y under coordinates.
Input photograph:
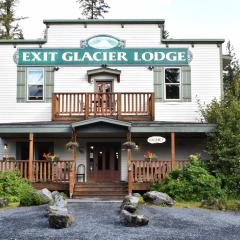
{"type": "Point", "coordinates": [156, 139]}
{"type": "Point", "coordinates": [99, 50]}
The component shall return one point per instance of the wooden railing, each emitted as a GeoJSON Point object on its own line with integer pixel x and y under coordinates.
{"type": "Point", "coordinates": [21, 165]}
{"type": "Point", "coordinates": [126, 106]}
{"type": "Point", "coordinates": [152, 171]}
{"type": "Point", "coordinates": [43, 170]}
{"type": "Point", "coordinates": [51, 171]}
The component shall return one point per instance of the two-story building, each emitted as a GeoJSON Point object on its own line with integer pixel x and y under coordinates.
{"type": "Point", "coordinates": [98, 84]}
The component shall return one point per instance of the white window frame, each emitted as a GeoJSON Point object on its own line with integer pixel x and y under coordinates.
{"type": "Point", "coordinates": [36, 69]}
{"type": "Point", "coordinates": [180, 85]}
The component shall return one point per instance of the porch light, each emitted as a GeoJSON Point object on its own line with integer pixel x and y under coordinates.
{"type": "Point", "coordinates": [92, 147]}
{"type": "Point", "coordinates": [5, 147]}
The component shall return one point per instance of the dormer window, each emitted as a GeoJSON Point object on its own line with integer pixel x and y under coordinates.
{"type": "Point", "coordinates": [35, 84]}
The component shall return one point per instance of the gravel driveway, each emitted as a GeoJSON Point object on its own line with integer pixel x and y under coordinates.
{"type": "Point", "coordinates": [101, 221]}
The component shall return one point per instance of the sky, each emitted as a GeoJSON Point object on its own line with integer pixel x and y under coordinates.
{"type": "Point", "coordinates": [184, 18]}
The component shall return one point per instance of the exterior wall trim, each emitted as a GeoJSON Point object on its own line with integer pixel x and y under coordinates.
{"type": "Point", "coordinates": [135, 128]}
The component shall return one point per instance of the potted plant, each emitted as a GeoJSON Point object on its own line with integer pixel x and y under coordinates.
{"type": "Point", "coordinates": [50, 157]}
{"type": "Point", "coordinates": [149, 156]}
{"type": "Point", "coordinates": [70, 146]}
{"type": "Point", "coordinates": [129, 145]}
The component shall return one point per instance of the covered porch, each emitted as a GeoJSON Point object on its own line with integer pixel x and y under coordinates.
{"type": "Point", "coordinates": [133, 168]}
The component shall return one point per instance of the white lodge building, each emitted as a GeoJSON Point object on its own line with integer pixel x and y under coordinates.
{"type": "Point", "coordinates": [101, 83]}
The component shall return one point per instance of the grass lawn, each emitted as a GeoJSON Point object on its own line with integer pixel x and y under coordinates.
{"type": "Point", "coordinates": [10, 205]}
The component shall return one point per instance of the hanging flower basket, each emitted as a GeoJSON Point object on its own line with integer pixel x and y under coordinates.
{"type": "Point", "coordinates": [70, 146]}
{"type": "Point", "coordinates": [129, 145]}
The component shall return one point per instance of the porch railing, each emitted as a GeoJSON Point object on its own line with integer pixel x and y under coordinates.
{"type": "Point", "coordinates": [125, 106]}
{"type": "Point", "coordinates": [152, 171]}
{"type": "Point", "coordinates": [43, 171]}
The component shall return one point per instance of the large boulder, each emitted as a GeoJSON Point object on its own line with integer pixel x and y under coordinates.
{"type": "Point", "coordinates": [3, 202]}
{"type": "Point", "coordinates": [60, 220]}
{"type": "Point", "coordinates": [59, 201]}
{"type": "Point", "coordinates": [54, 194]}
{"type": "Point", "coordinates": [46, 194]}
{"type": "Point", "coordinates": [55, 209]}
{"type": "Point", "coordinates": [158, 197]}
{"type": "Point", "coordinates": [130, 200]}
{"type": "Point", "coordinates": [130, 208]}
{"type": "Point", "coordinates": [132, 220]}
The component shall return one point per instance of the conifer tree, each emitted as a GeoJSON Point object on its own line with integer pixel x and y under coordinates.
{"type": "Point", "coordinates": [93, 9]}
{"type": "Point", "coordinates": [9, 26]}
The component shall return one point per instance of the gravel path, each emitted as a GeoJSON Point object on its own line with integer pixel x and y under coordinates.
{"type": "Point", "coordinates": [101, 221]}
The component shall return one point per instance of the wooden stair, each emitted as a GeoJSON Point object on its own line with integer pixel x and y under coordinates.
{"type": "Point", "coordinates": [108, 190]}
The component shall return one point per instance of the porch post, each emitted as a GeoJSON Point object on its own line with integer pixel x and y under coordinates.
{"type": "Point", "coordinates": [130, 179]}
{"type": "Point", "coordinates": [73, 170]}
{"type": "Point", "coordinates": [173, 157]}
{"type": "Point", "coordinates": [30, 164]}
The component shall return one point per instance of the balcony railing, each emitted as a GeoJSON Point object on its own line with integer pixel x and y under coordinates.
{"type": "Point", "coordinates": [122, 106]}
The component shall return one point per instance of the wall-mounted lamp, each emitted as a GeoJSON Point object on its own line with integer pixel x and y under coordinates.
{"type": "Point", "coordinates": [56, 69]}
{"type": "Point", "coordinates": [104, 65]}
{"type": "Point", "coordinates": [5, 146]}
{"type": "Point", "coordinates": [150, 68]}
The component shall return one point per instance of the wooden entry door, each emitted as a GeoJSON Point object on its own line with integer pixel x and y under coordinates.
{"type": "Point", "coordinates": [104, 97]}
{"type": "Point", "coordinates": [103, 162]}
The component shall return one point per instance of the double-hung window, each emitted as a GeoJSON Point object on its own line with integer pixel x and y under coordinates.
{"type": "Point", "coordinates": [172, 83]}
{"type": "Point", "coordinates": [35, 84]}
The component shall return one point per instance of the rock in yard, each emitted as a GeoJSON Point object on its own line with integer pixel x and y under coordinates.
{"type": "Point", "coordinates": [132, 220]}
{"type": "Point", "coordinates": [3, 202]}
{"type": "Point", "coordinates": [55, 193]}
{"type": "Point", "coordinates": [130, 200]}
{"type": "Point", "coordinates": [46, 194]}
{"type": "Point", "coordinates": [137, 195]}
{"type": "Point", "coordinates": [158, 197]}
{"type": "Point", "coordinates": [59, 201]}
{"type": "Point", "coordinates": [55, 209]}
{"type": "Point", "coordinates": [130, 208]}
{"type": "Point", "coordinates": [60, 220]}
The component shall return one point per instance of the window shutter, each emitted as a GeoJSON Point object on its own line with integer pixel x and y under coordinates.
{"type": "Point", "coordinates": [49, 83]}
{"type": "Point", "coordinates": [186, 84]}
{"type": "Point", "coordinates": [158, 83]}
{"type": "Point", "coordinates": [21, 84]}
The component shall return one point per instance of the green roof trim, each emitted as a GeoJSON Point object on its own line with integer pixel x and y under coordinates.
{"type": "Point", "coordinates": [136, 127]}
{"type": "Point", "coordinates": [104, 21]}
{"type": "Point", "coordinates": [23, 41]}
{"type": "Point", "coordinates": [175, 127]}
{"type": "Point", "coordinates": [193, 41]}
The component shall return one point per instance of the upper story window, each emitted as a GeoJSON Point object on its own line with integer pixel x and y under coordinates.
{"type": "Point", "coordinates": [35, 84]}
{"type": "Point", "coordinates": [172, 83]}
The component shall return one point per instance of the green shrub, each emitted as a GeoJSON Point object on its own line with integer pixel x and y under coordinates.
{"type": "Point", "coordinates": [192, 183]}
{"type": "Point", "coordinates": [18, 189]}
{"type": "Point", "coordinates": [31, 198]}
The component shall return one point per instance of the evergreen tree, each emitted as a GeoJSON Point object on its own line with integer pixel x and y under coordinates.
{"type": "Point", "coordinates": [93, 9]}
{"type": "Point", "coordinates": [9, 27]}
{"type": "Point", "coordinates": [224, 144]}
{"type": "Point", "coordinates": [231, 70]}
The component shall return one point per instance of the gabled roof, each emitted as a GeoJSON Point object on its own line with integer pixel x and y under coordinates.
{"type": "Point", "coordinates": [101, 120]}
{"type": "Point", "coordinates": [104, 70]}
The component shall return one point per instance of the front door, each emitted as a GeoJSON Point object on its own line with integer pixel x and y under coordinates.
{"type": "Point", "coordinates": [104, 162]}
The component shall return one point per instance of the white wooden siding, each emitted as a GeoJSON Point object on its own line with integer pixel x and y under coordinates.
{"type": "Point", "coordinates": [205, 67]}
{"type": "Point", "coordinates": [144, 35]}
